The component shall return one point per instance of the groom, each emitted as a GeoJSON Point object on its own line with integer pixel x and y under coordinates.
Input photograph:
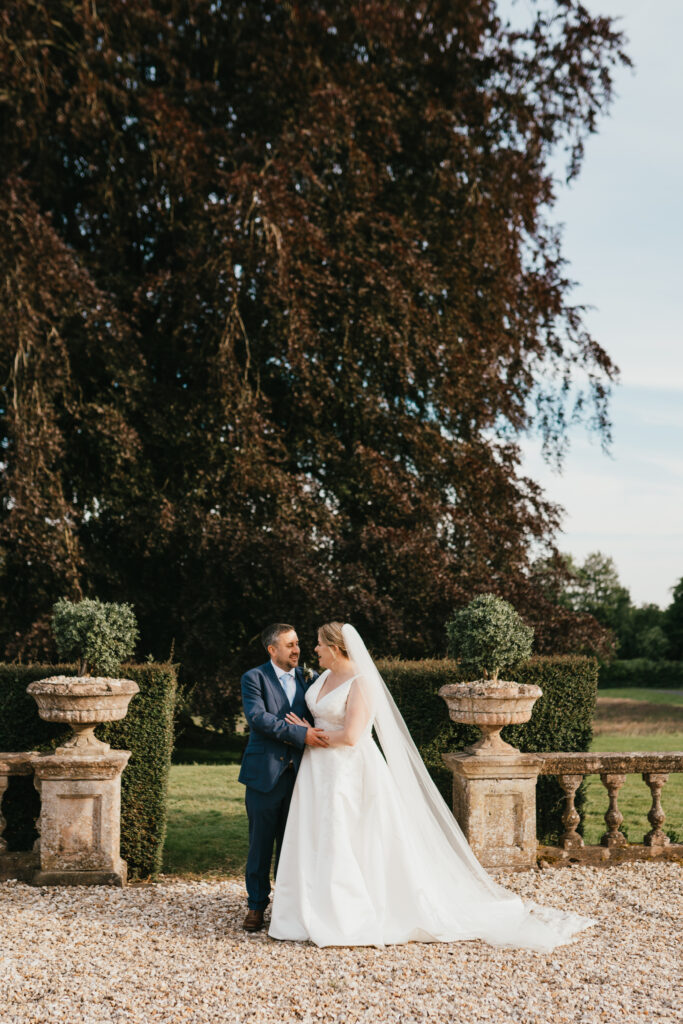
{"type": "Point", "coordinates": [272, 756]}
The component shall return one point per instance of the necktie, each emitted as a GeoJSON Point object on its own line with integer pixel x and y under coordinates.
{"type": "Point", "coordinates": [288, 685]}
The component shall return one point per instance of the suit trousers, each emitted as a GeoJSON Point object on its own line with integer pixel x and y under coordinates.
{"type": "Point", "coordinates": [267, 813]}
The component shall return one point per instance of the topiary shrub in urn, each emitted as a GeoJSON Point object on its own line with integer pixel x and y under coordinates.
{"type": "Point", "coordinates": [97, 636]}
{"type": "Point", "coordinates": [489, 637]}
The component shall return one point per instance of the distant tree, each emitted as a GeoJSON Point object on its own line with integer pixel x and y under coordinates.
{"type": "Point", "coordinates": [596, 590]}
{"type": "Point", "coordinates": [673, 623]}
{"type": "Point", "coordinates": [278, 293]}
{"type": "Point", "coordinates": [652, 643]}
{"type": "Point", "coordinates": [644, 635]}
{"type": "Point", "coordinates": [569, 628]}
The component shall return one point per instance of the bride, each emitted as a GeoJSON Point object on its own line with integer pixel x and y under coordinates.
{"type": "Point", "coordinates": [371, 853]}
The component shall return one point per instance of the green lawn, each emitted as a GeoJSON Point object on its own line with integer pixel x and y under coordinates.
{"type": "Point", "coordinates": [644, 694]}
{"type": "Point", "coordinates": [617, 743]}
{"type": "Point", "coordinates": [207, 824]}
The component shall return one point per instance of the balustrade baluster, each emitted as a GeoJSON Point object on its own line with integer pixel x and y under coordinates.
{"type": "Point", "coordinates": [613, 816]}
{"type": "Point", "coordinates": [37, 783]}
{"type": "Point", "coordinates": [570, 819]}
{"type": "Point", "coordinates": [4, 781]}
{"type": "Point", "coordinates": [656, 816]}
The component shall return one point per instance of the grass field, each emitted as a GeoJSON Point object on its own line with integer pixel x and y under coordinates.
{"type": "Point", "coordinates": [648, 696]}
{"type": "Point", "coordinates": [638, 712]}
{"type": "Point", "coordinates": [207, 826]}
{"type": "Point", "coordinates": [207, 822]}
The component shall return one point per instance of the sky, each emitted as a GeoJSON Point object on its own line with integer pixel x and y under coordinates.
{"type": "Point", "coordinates": [623, 235]}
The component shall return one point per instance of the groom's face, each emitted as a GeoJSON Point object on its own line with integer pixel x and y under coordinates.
{"type": "Point", "coordinates": [285, 651]}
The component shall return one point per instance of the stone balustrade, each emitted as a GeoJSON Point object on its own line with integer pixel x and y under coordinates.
{"type": "Point", "coordinates": [494, 800]}
{"type": "Point", "coordinates": [571, 769]}
{"type": "Point", "coordinates": [494, 786]}
{"type": "Point", "coordinates": [21, 864]}
{"type": "Point", "coordinates": [79, 822]}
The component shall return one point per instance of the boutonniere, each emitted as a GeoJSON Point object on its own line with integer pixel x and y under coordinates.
{"type": "Point", "coordinates": [309, 674]}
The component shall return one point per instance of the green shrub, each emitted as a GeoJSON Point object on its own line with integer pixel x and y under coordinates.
{"type": "Point", "coordinates": [562, 720]}
{"type": "Point", "coordinates": [97, 635]}
{"type": "Point", "coordinates": [488, 637]}
{"type": "Point", "coordinates": [147, 731]}
{"type": "Point", "coordinates": [657, 675]}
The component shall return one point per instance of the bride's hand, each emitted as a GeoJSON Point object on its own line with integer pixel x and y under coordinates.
{"type": "Point", "coordinates": [295, 720]}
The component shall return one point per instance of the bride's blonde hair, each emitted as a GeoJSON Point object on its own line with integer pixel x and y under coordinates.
{"type": "Point", "coordinates": [331, 634]}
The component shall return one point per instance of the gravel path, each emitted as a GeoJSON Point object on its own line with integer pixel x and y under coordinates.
{"type": "Point", "coordinates": [175, 953]}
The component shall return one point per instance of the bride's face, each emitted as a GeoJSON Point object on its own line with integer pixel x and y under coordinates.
{"type": "Point", "coordinates": [326, 655]}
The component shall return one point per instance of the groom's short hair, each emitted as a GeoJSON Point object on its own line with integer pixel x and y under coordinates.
{"type": "Point", "coordinates": [271, 633]}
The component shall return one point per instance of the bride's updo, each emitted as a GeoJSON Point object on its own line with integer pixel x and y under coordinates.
{"type": "Point", "coordinates": [331, 634]}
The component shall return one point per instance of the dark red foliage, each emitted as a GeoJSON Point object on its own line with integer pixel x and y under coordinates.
{"type": "Point", "coordinates": [279, 293]}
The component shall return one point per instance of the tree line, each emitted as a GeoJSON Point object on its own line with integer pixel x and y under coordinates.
{"type": "Point", "coordinates": [637, 631]}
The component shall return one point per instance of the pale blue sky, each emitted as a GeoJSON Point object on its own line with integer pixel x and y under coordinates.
{"type": "Point", "coordinates": [623, 234]}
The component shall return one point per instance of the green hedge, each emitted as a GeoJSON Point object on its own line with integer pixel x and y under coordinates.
{"type": "Point", "coordinates": [561, 720]}
{"type": "Point", "coordinates": [659, 675]}
{"type": "Point", "coordinates": [147, 731]}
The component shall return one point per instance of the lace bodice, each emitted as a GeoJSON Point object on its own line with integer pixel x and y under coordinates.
{"type": "Point", "coordinates": [330, 712]}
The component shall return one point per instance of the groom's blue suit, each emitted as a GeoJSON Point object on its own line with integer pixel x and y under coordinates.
{"type": "Point", "coordinates": [269, 766]}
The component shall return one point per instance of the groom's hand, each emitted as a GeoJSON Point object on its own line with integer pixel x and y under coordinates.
{"type": "Point", "coordinates": [316, 737]}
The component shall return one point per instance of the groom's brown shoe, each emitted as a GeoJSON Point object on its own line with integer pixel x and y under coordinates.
{"type": "Point", "coordinates": [253, 922]}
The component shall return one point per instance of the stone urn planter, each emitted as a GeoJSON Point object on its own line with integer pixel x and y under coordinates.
{"type": "Point", "coordinates": [82, 702]}
{"type": "Point", "coordinates": [79, 825]}
{"type": "Point", "coordinates": [494, 784]}
{"type": "Point", "coordinates": [491, 704]}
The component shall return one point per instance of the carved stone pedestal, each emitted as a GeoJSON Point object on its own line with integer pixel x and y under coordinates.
{"type": "Point", "coordinates": [494, 802]}
{"type": "Point", "coordinates": [80, 818]}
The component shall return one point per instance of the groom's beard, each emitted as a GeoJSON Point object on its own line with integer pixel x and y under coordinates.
{"type": "Point", "coordinates": [288, 665]}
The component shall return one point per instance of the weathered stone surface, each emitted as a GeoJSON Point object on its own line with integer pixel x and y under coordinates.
{"type": "Point", "coordinates": [656, 815]}
{"type": "Point", "coordinates": [571, 818]}
{"type": "Point", "coordinates": [80, 819]}
{"type": "Point", "coordinates": [589, 763]}
{"type": "Point", "coordinates": [82, 702]}
{"type": "Point", "coordinates": [80, 787]}
{"type": "Point", "coordinates": [17, 764]}
{"type": "Point", "coordinates": [117, 878]}
{"type": "Point", "coordinates": [66, 766]}
{"type": "Point", "coordinates": [20, 864]}
{"type": "Point", "coordinates": [494, 802]}
{"type": "Point", "coordinates": [79, 823]}
{"type": "Point", "coordinates": [490, 704]}
{"type": "Point", "coordinates": [556, 856]}
{"type": "Point", "coordinates": [83, 686]}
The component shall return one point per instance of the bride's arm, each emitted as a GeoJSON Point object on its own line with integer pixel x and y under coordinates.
{"type": "Point", "coordinates": [356, 720]}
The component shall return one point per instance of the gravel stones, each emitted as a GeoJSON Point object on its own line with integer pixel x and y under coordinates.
{"type": "Point", "coordinates": [174, 952]}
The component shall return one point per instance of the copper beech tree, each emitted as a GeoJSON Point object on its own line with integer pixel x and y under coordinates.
{"type": "Point", "coordinates": [281, 291]}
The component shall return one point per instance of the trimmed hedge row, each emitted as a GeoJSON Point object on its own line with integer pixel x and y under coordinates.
{"type": "Point", "coordinates": [562, 719]}
{"type": "Point", "coordinates": [147, 731]}
{"type": "Point", "coordinates": [660, 675]}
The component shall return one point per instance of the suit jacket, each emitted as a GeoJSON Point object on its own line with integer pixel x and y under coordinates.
{"type": "Point", "coordinates": [273, 743]}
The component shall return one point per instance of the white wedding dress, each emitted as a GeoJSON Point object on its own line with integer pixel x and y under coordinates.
{"type": "Point", "coordinates": [372, 855]}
